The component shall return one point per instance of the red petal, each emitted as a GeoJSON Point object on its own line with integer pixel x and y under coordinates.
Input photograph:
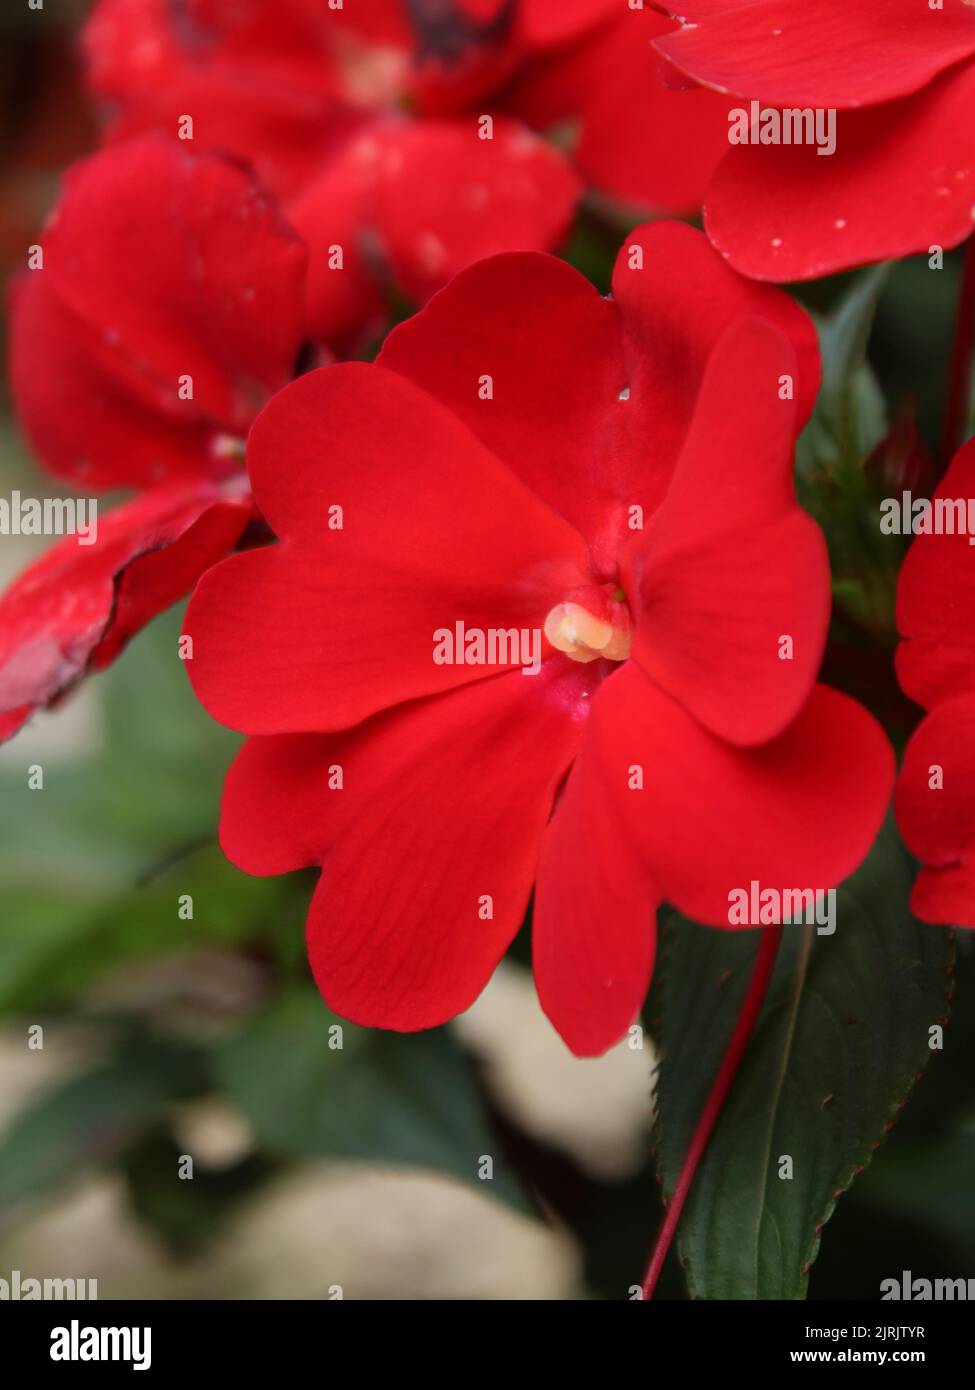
{"type": "Point", "coordinates": [74, 609]}
{"type": "Point", "coordinates": [157, 267]}
{"type": "Point", "coordinates": [818, 52]}
{"type": "Point", "coordinates": [668, 172]}
{"type": "Point", "coordinates": [560, 359]}
{"type": "Point", "coordinates": [638, 140]}
{"type": "Point", "coordinates": [553, 349]}
{"type": "Point", "coordinates": [799, 812]}
{"type": "Point", "coordinates": [346, 301]}
{"type": "Point", "coordinates": [540, 23]}
{"type": "Point", "coordinates": [482, 11]}
{"type": "Point", "coordinates": [416, 201]}
{"type": "Point", "coordinates": [936, 602]}
{"type": "Point", "coordinates": [784, 213]}
{"type": "Point", "coordinates": [446, 198]}
{"type": "Point", "coordinates": [443, 802]}
{"type": "Point", "coordinates": [594, 923]}
{"type": "Point", "coordinates": [939, 824]}
{"type": "Point", "coordinates": [387, 24]}
{"type": "Point", "coordinates": [731, 565]}
{"type": "Point", "coordinates": [698, 10]}
{"type": "Point", "coordinates": [258, 79]}
{"type": "Point", "coordinates": [332, 625]}
{"type": "Point", "coordinates": [676, 308]}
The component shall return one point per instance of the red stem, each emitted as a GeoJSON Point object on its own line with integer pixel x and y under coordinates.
{"type": "Point", "coordinates": [768, 949]}
{"type": "Point", "coordinates": [962, 360]}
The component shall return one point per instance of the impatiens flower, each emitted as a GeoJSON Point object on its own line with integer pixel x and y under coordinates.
{"type": "Point", "coordinates": [162, 309]}
{"type": "Point", "coordinates": [900, 77]}
{"type": "Point", "coordinates": [935, 800]}
{"type": "Point", "coordinates": [398, 131]}
{"type": "Point", "coordinates": [543, 610]}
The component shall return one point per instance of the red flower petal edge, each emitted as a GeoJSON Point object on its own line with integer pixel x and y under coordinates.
{"type": "Point", "coordinates": [896, 83]}
{"type": "Point", "coordinates": [935, 799]}
{"type": "Point", "coordinates": [75, 608]}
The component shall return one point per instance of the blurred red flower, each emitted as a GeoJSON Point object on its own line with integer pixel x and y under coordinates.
{"type": "Point", "coordinates": [369, 121]}
{"type": "Point", "coordinates": [935, 798]}
{"type": "Point", "coordinates": [167, 308]}
{"type": "Point", "coordinates": [615, 474]}
{"type": "Point", "coordinates": [901, 77]}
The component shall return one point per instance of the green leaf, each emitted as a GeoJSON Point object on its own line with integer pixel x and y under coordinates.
{"type": "Point", "coordinates": [152, 788]}
{"type": "Point", "coordinates": [94, 864]}
{"type": "Point", "coordinates": [187, 1216]}
{"type": "Point", "coordinates": [843, 336]}
{"type": "Point", "coordinates": [850, 416]}
{"type": "Point", "coordinates": [53, 945]}
{"type": "Point", "coordinates": [849, 422]}
{"type": "Point", "coordinates": [93, 1118]}
{"type": "Point", "coordinates": [839, 1045]}
{"type": "Point", "coordinates": [387, 1097]}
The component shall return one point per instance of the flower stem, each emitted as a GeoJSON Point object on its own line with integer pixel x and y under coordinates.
{"type": "Point", "coordinates": [768, 949]}
{"type": "Point", "coordinates": [962, 360]}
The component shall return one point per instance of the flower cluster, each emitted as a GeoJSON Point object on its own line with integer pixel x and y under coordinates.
{"type": "Point", "coordinates": [522, 613]}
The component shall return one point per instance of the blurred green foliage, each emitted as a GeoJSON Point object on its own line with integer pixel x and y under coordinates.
{"type": "Point", "coordinates": [94, 868]}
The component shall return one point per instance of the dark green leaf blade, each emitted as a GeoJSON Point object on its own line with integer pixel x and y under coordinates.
{"type": "Point", "coordinates": [386, 1097]}
{"type": "Point", "coordinates": [842, 1039]}
{"type": "Point", "coordinates": [91, 1119]}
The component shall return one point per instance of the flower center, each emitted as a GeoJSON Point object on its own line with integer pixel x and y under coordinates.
{"type": "Point", "coordinates": [593, 624]}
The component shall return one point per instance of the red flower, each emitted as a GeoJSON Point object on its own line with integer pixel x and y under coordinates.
{"type": "Point", "coordinates": [167, 309]}
{"type": "Point", "coordinates": [260, 79]}
{"type": "Point", "coordinates": [491, 469]}
{"type": "Point", "coordinates": [314, 98]}
{"type": "Point", "coordinates": [317, 99]}
{"type": "Point", "coordinates": [935, 800]}
{"type": "Point", "coordinates": [901, 76]}
{"type": "Point", "coordinates": [146, 344]}
{"type": "Point", "coordinates": [410, 203]}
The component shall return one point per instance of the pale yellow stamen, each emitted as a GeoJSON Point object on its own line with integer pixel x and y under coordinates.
{"type": "Point", "coordinates": [582, 636]}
